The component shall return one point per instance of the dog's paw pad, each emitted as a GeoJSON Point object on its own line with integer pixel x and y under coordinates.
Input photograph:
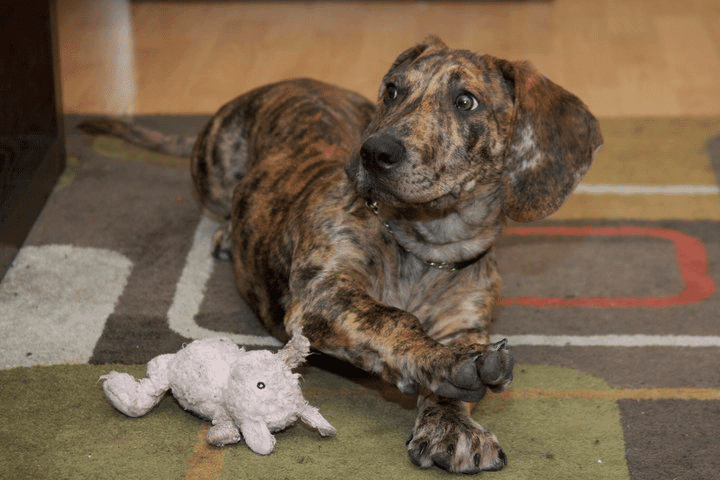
{"type": "Point", "coordinates": [447, 389]}
{"type": "Point", "coordinates": [465, 375]}
{"type": "Point", "coordinates": [463, 382]}
{"type": "Point", "coordinates": [496, 366]}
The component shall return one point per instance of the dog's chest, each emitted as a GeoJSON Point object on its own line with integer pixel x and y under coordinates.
{"type": "Point", "coordinates": [439, 298]}
{"type": "Point", "coordinates": [408, 283]}
{"type": "Point", "coordinates": [362, 243]}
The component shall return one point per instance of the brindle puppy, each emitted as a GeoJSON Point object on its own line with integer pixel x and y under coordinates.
{"type": "Point", "coordinates": [380, 246]}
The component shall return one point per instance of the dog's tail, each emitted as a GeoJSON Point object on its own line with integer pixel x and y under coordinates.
{"type": "Point", "coordinates": [177, 145]}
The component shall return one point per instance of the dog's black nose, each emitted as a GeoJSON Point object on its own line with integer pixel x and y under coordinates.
{"type": "Point", "coordinates": [381, 152]}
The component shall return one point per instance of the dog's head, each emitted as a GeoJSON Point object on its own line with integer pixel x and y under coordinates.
{"type": "Point", "coordinates": [452, 125]}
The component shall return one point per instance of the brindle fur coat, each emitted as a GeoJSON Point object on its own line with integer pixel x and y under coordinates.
{"type": "Point", "coordinates": [371, 227]}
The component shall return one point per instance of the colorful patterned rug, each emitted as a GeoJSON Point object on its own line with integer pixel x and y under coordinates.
{"type": "Point", "coordinates": [611, 307]}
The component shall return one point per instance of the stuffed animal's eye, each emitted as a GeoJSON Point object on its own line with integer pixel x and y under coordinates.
{"type": "Point", "coordinates": [466, 102]}
{"type": "Point", "coordinates": [261, 385]}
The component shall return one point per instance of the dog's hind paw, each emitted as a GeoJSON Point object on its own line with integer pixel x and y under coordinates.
{"type": "Point", "coordinates": [222, 243]}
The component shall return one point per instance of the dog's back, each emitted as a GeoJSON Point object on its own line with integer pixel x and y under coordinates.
{"type": "Point", "coordinates": [297, 114]}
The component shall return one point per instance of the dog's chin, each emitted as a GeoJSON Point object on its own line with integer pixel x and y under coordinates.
{"type": "Point", "coordinates": [371, 190]}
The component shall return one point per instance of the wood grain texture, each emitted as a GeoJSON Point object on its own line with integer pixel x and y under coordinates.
{"type": "Point", "coordinates": [623, 57]}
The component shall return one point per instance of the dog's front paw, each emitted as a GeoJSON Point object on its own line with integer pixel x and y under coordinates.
{"type": "Point", "coordinates": [472, 373]}
{"type": "Point", "coordinates": [463, 382]}
{"type": "Point", "coordinates": [495, 367]}
{"type": "Point", "coordinates": [444, 435]}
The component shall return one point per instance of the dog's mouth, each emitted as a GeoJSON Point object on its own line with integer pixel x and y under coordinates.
{"type": "Point", "coordinates": [389, 172]}
{"type": "Point", "coordinates": [441, 203]}
{"type": "Point", "coordinates": [374, 189]}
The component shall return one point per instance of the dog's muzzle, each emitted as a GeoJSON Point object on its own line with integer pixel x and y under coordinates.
{"type": "Point", "coordinates": [381, 153]}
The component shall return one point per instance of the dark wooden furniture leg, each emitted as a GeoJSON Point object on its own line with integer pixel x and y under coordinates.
{"type": "Point", "coordinates": [32, 154]}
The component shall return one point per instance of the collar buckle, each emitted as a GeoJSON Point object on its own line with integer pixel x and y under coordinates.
{"type": "Point", "coordinates": [372, 206]}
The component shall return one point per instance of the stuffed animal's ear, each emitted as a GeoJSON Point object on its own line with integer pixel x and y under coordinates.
{"type": "Point", "coordinates": [295, 350]}
{"type": "Point", "coordinates": [553, 141]}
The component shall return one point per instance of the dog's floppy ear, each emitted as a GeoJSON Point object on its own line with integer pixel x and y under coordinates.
{"type": "Point", "coordinates": [428, 44]}
{"type": "Point", "coordinates": [552, 143]}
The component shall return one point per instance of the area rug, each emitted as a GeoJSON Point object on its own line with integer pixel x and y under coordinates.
{"type": "Point", "coordinates": [611, 307]}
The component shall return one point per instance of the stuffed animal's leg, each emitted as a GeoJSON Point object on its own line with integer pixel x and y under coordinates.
{"type": "Point", "coordinates": [223, 432]}
{"type": "Point", "coordinates": [311, 416]}
{"type": "Point", "coordinates": [258, 437]}
{"type": "Point", "coordinates": [134, 397]}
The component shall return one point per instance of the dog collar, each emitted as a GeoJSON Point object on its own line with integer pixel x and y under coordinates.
{"type": "Point", "coordinates": [450, 266]}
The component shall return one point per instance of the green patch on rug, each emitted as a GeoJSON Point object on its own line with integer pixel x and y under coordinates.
{"type": "Point", "coordinates": [554, 437]}
{"type": "Point", "coordinates": [57, 424]}
{"type": "Point", "coordinates": [68, 176]}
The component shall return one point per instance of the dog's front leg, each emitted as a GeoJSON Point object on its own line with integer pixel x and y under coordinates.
{"type": "Point", "coordinates": [341, 319]}
{"type": "Point", "coordinates": [445, 434]}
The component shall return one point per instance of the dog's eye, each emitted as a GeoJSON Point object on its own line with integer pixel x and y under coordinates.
{"type": "Point", "coordinates": [466, 102]}
{"type": "Point", "coordinates": [391, 92]}
{"type": "Point", "coordinates": [260, 385]}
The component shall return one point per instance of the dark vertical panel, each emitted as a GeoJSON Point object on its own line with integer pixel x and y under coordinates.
{"type": "Point", "coordinates": [31, 134]}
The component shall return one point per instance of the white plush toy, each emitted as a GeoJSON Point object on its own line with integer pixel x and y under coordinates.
{"type": "Point", "coordinates": [249, 392]}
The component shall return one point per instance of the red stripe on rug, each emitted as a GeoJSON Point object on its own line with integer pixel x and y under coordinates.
{"type": "Point", "coordinates": [690, 253]}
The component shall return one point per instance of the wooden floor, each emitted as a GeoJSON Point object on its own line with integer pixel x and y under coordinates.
{"type": "Point", "coordinates": [623, 57]}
